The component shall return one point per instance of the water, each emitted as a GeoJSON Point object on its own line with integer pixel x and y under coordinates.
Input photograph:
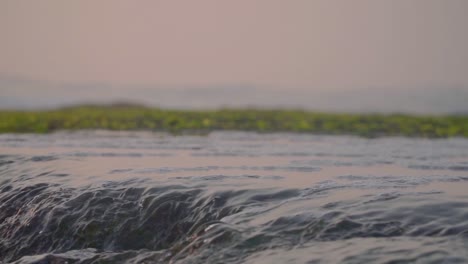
{"type": "Point", "coordinates": [140, 197]}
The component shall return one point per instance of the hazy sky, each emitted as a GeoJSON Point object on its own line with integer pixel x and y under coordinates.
{"type": "Point", "coordinates": [294, 44]}
{"type": "Point", "coordinates": [410, 55]}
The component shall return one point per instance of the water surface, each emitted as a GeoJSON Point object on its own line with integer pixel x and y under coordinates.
{"type": "Point", "coordinates": [231, 197]}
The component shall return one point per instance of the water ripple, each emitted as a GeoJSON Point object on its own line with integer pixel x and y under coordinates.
{"type": "Point", "coordinates": [100, 197]}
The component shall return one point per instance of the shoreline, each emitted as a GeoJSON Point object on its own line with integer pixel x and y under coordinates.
{"type": "Point", "coordinates": [133, 118]}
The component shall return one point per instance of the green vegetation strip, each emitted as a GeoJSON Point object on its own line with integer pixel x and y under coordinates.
{"type": "Point", "coordinates": [187, 121]}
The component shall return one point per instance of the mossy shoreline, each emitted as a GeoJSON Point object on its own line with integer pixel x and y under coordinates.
{"type": "Point", "coordinates": [129, 117]}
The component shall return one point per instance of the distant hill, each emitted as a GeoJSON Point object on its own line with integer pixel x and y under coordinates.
{"type": "Point", "coordinates": [19, 93]}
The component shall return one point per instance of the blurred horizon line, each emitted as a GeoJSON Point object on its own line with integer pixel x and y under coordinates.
{"type": "Point", "coordinates": [18, 92]}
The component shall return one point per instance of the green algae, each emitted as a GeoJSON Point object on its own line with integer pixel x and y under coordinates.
{"type": "Point", "coordinates": [200, 121]}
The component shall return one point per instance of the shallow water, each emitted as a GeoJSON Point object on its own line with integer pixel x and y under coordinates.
{"type": "Point", "coordinates": [140, 197]}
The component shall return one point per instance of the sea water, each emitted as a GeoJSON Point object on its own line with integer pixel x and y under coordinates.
{"type": "Point", "coordinates": [231, 197]}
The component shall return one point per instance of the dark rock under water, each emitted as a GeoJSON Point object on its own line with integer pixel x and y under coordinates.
{"type": "Point", "coordinates": [110, 197]}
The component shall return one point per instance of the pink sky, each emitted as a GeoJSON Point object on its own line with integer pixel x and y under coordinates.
{"type": "Point", "coordinates": [299, 44]}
